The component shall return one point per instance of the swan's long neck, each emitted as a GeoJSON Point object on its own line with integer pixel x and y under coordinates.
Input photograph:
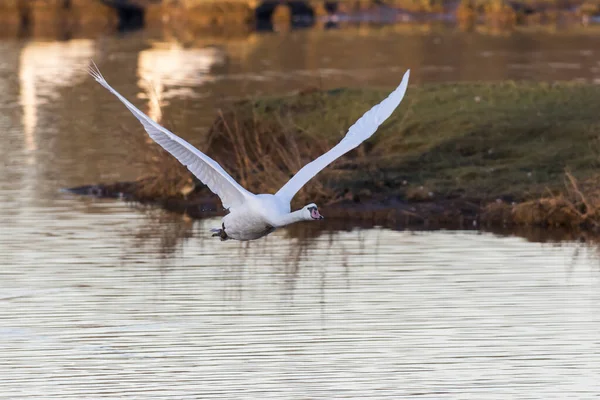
{"type": "Point", "coordinates": [289, 218]}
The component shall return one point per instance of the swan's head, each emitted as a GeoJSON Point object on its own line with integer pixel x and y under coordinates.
{"type": "Point", "coordinates": [311, 212]}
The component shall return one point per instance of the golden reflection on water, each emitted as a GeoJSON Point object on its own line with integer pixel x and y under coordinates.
{"type": "Point", "coordinates": [43, 68]}
{"type": "Point", "coordinates": [168, 70]}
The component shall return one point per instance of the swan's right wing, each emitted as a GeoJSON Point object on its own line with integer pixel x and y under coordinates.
{"type": "Point", "coordinates": [362, 129]}
{"type": "Point", "coordinates": [202, 166]}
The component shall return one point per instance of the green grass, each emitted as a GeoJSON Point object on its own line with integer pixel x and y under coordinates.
{"type": "Point", "coordinates": [472, 140]}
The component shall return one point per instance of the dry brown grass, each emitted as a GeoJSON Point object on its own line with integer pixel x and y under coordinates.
{"type": "Point", "coordinates": [589, 8]}
{"type": "Point", "coordinates": [497, 13]}
{"type": "Point", "coordinates": [577, 206]}
{"type": "Point", "coordinates": [421, 193]}
{"type": "Point", "coordinates": [500, 13]}
{"type": "Point", "coordinates": [262, 154]}
{"type": "Point", "coordinates": [466, 14]}
{"type": "Point", "coordinates": [165, 176]}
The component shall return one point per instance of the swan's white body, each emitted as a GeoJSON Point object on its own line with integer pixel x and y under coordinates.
{"type": "Point", "coordinates": [253, 216]}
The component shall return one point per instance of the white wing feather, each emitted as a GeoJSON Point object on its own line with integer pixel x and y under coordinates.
{"type": "Point", "coordinates": [202, 166]}
{"type": "Point", "coordinates": [362, 129]}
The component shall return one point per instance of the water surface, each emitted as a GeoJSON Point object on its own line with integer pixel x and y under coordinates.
{"type": "Point", "coordinates": [101, 299]}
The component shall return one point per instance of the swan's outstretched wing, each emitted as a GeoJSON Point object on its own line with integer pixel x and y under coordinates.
{"type": "Point", "coordinates": [205, 168]}
{"type": "Point", "coordinates": [362, 129]}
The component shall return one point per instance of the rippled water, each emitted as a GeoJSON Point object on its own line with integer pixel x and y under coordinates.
{"type": "Point", "coordinates": [93, 310]}
{"type": "Point", "coordinates": [101, 299]}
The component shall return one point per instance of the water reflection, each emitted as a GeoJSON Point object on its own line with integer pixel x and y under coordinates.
{"type": "Point", "coordinates": [99, 298]}
{"type": "Point", "coordinates": [300, 241]}
{"type": "Point", "coordinates": [44, 67]}
{"type": "Point", "coordinates": [172, 231]}
{"type": "Point", "coordinates": [361, 313]}
{"type": "Point", "coordinates": [169, 70]}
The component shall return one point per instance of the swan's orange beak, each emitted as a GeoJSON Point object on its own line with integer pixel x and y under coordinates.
{"type": "Point", "coordinates": [314, 213]}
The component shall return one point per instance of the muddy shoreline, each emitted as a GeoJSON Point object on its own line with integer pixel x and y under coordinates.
{"type": "Point", "coordinates": [392, 213]}
{"type": "Point", "coordinates": [450, 214]}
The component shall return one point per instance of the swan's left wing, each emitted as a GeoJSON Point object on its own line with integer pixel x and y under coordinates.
{"type": "Point", "coordinates": [231, 193]}
{"type": "Point", "coordinates": [362, 129]}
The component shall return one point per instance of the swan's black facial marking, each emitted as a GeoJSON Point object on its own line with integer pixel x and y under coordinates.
{"type": "Point", "coordinates": [314, 213]}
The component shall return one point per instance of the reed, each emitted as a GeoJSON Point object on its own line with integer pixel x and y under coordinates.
{"type": "Point", "coordinates": [576, 206]}
{"type": "Point", "coordinates": [264, 153]}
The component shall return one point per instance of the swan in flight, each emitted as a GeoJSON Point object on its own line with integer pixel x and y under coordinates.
{"type": "Point", "coordinates": [252, 216]}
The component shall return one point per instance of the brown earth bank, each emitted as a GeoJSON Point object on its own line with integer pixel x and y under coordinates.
{"type": "Point", "coordinates": [567, 219]}
{"type": "Point", "coordinates": [493, 155]}
{"type": "Point", "coordinates": [392, 213]}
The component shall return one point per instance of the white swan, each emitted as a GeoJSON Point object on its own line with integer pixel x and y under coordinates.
{"type": "Point", "coordinates": [254, 216]}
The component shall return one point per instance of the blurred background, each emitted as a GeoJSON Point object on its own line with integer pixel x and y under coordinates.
{"type": "Point", "coordinates": [459, 258]}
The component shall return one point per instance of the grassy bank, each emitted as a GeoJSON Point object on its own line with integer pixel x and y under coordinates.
{"type": "Point", "coordinates": [493, 153]}
{"type": "Point", "coordinates": [510, 140]}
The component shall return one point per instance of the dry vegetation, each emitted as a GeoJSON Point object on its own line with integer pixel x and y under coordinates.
{"type": "Point", "coordinates": [495, 12]}
{"type": "Point", "coordinates": [265, 154]}
{"type": "Point", "coordinates": [576, 206]}
{"type": "Point", "coordinates": [506, 14]}
{"type": "Point", "coordinates": [165, 177]}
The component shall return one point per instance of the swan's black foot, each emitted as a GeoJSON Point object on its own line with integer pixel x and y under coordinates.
{"type": "Point", "coordinates": [220, 233]}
